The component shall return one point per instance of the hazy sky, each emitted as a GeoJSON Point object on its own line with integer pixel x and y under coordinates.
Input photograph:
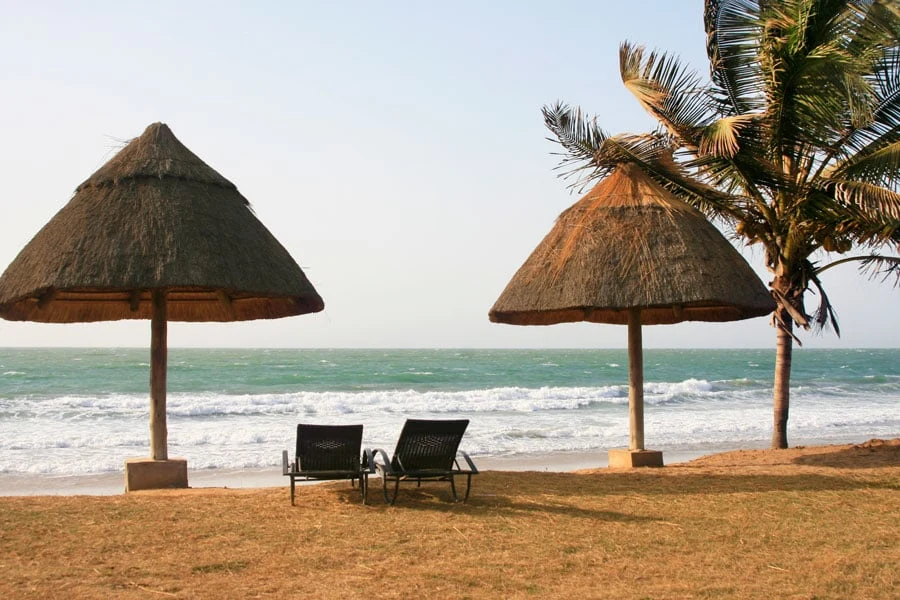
{"type": "Point", "coordinates": [396, 149]}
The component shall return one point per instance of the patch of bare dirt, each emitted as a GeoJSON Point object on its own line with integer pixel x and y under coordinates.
{"type": "Point", "coordinates": [871, 454]}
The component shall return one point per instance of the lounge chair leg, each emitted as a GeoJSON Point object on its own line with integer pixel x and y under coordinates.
{"type": "Point", "coordinates": [364, 487]}
{"type": "Point", "coordinates": [453, 489]}
{"type": "Point", "coordinates": [292, 490]}
{"type": "Point", "coordinates": [388, 499]}
{"type": "Point", "coordinates": [468, 486]}
{"type": "Point", "coordinates": [396, 490]}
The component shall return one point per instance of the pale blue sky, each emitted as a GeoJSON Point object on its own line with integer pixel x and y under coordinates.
{"type": "Point", "coordinates": [396, 149]}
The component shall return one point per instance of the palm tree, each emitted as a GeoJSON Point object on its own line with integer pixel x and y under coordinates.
{"type": "Point", "coordinates": [794, 144]}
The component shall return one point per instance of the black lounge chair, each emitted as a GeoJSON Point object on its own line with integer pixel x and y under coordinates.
{"type": "Point", "coordinates": [426, 451]}
{"type": "Point", "coordinates": [327, 452]}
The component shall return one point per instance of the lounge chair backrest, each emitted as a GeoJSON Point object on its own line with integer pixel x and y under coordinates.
{"type": "Point", "coordinates": [427, 444]}
{"type": "Point", "coordinates": [329, 447]}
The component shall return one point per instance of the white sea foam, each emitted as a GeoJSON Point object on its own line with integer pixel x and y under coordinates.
{"type": "Point", "coordinates": [70, 433]}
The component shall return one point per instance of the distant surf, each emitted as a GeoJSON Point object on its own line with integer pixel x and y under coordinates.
{"type": "Point", "coordinates": [84, 411]}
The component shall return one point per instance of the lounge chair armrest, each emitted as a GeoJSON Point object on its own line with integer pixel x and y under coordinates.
{"type": "Point", "coordinates": [368, 460]}
{"type": "Point", "coordinates": [385, 464]}
{"type": "Point", "coordinates": [285, 468]}
{"type": "Point", "coordinates": [472, 468]}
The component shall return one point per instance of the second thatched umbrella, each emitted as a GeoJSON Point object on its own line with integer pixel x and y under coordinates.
{"type": "Point", "coordinates": [629, 252]}
{"type": "Point", "coordinates": [155, 234]}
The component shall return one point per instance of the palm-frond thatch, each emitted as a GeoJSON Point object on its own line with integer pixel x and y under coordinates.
{"type": "Point", "coordinates": [155, 217]}
{"type": "Point", "coordinates": [631, 244]}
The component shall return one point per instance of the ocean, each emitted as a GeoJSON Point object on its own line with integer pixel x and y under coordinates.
{"type": "Point", "coordinates": [78, 412]}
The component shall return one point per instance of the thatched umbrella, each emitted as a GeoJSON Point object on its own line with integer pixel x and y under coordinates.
{"type": "Point", "coordinates": [630, 252]}
{"type": "Point", "coordinates": [156, 234]}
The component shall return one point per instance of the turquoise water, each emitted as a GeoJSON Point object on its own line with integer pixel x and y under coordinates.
{"type": "Point", "coordinates": [82, 411]}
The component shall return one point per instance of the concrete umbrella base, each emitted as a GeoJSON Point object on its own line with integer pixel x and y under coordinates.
{"type": "Point", "coordinates": [149, 474]}
{"type": "Point", "coordinates": [622, 458]}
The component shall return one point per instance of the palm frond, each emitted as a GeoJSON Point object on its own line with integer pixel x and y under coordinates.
{"type": "Point", "coordinates": [837, 218]}
{"type": "Point", "coordinates": [723, 137]}
{"type": "Point", "coordinates": [876, 23]}
{"type": "Point", "coordinates": [825, 314]}
{"type": "Point", "coordinates": [747, 173]}
{"type": "Point", "coordinates": [631, 69]}
{"type": "Point", "coordinates": [668, 90]}
{"type": "Point", "coordinates": [794, 58]}
{"type": "Point", "coordinates": [581, 139]}
{"type": "Point", "coordinates": [832, 69]}
{"type": "Point", "coordinates": [727, 148]}
{"type": "Point", "coordinates": [873, 265]}
{"type": "Point", "coordinates": [874, 201]}
{"type": "Point", "coordinates": [732, 45]}
{"type": "Point", "coordinates": [590, 153]}
{"type": "Point", "coordinates": [882, 267]}
{"type": "Point", "coordinates": [878, 164]}
{"type": "Point", "coordinates": [884, 127]}
{"type": "Point", "coordinates": [797, 313]}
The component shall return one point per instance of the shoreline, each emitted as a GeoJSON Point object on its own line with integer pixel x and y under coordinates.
{"type": "Point", "coordinates": [113, 483]}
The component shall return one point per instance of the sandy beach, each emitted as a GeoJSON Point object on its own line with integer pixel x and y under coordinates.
{"type": "Point", "coordinates": [106, 484]}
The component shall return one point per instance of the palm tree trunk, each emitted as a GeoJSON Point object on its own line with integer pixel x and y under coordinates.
{"type": "Point", "coordinates": [782, 395]}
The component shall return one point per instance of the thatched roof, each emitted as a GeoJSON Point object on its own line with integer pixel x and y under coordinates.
{"type": "Point", "coordinates": [629, 243]}
{"type": "Point", "coordinates": [155, 217]}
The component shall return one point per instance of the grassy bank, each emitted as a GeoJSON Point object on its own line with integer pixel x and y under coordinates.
{"type": "Point", "coordinates": [802, 523]}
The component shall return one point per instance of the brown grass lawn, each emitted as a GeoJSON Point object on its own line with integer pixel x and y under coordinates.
{"type": "Point", "coordinates": [807, 523]}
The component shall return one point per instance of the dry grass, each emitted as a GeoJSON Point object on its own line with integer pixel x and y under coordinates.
{"type": "Point", "coordinates": [801, 523]}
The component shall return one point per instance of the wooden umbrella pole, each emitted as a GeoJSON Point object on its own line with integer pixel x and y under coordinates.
{"type": "Point", "coordinates": [635, 380]}
{"type": "Point", "coordinates": [158, 359]}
